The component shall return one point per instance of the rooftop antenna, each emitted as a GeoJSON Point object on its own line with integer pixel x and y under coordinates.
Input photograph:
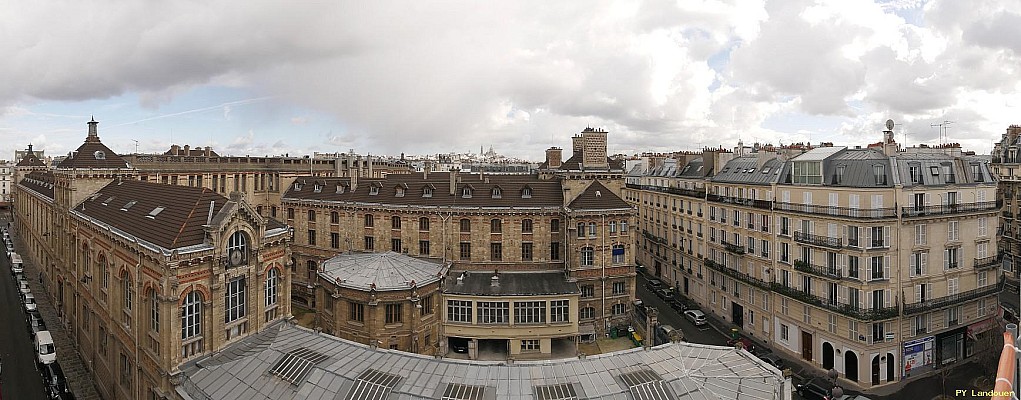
{"type": "Point", "coordinates": [943, 126]}
{"type": "Point", "coordinates": [136, 145]}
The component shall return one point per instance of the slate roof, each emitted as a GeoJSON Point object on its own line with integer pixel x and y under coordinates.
{"type": "Point", "coordinates": [544, 193]}
{"type": "Point", "coordinates": [179, 224]}
{"type": "Point", "coordinates": [574, 164]}
{"type": "Point", "coordinates": [598, 197]}
{"type": "Point", "coordinates": [338, 369]}
{"type": "Point", "coordinates": [93, 154]}
{"type": "Point", "coordinates": [931, 169]}
{"type": "Point", "coordinates": [693, 169]}
{"type": "Point", "coordinates": [40, 182]}
{"type": "Point", "coordinates": [387, 271]}
{"type": "Point", "coordinates": [745, 170]}
{"type": "Point", "coordinates": [530, 283]}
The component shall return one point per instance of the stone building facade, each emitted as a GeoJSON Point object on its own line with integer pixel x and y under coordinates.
{"type": "Point", "coordinates": [1006, 165]}
{"type": "Point", "coordinates": [874, 262]}
{"type": "Point", "coordinates": [146, 276]}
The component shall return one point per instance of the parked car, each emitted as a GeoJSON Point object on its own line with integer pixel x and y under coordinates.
{"type": "Point", "coordinates": [17, 265]}
{"type": "Point", "coordinates": [30, 304]}
{"type": "Point", "coordinates": [666, 334]}
{"type": "Point", "coordinates": [35, 323]}
{"type": "Point", "coordinates": [54, 381]}
{"type": "Point", "coordinates": [816, 388]}
{"type": "Point", "coordinates": [665, 293]}
{"type": "Point", "coordinates": [696, 317]}
{"type": "Point", "coordinates": [23, 287]}
{"type": "Point", "coordinates": [772, 359]}
{"type": "Point", "coordinates": [853, 397]}
{"type": "Point", "coordinates": [654, 284]}
{"type": "Point", "coordinates": [45, 351]}
{"type": "Point", "coordinates": [678, 305]}
{"type": "Point", "coordinates": [459, 345]}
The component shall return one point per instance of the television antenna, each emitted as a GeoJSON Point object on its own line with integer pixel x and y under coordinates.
{"type": "Point", "coordinates": [943, 126]}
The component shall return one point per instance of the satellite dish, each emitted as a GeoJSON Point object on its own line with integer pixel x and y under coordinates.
{"type": "Point", "coordinates": [889, 124]}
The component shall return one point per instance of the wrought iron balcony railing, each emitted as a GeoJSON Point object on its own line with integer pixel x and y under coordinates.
{"type": "Point", "coordinates": [945, 209]}
{"type": "Point", "coordinates": [733, 248]}
{"type": "Point", "coordinates": [671, 190]}
{"type": "Point", "coordinates": [875, 213]}
{"type": "Point", "coordinates": [987, 262]}
{"type": "Point", "coordinates": [865, 314]}
{"type": "Point", "coordinates": [818, 270]}
{"type": "Point", "coordinates": [741, 276]}
{"type": "Point", "coordinates": [945, 301]}
{"type": "Point", "coordinates": [817, 240]}
{"type": "Point", "coordinates": [763, 204]}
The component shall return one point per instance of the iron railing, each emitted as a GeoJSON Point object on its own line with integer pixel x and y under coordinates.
{"type": "Point", "coordinates": [671, 190]}
{"type": "Point", "coordinates": [945, 209]}
{"type": "Point", "coordinates": [733, 248]}
{"type": "Point", "coordinates": [987, 262]}
{"type": "Point", "coordinates": [818, 270]}
{"type": "Point", "coordinates": [848, 212]}
{"type": "Point", "coordinates": [763, 204]}
{"type": "Point", "coordinates": [741, 276]}
{"type": "Point", "coordinates": [945, 301]}
{"type": "Point", "coordinates": [817, 240]}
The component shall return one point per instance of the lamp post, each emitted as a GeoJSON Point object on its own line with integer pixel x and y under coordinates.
{"type": "Point", "coordinates": [835, 391]}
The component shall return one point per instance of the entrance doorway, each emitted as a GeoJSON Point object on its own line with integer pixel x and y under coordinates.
{"type": "Point", "coordinates": [827, 355]}
{"type": "Point", "coordinates": [889, 367]}
{"type": "Point", "coordinates": [737, 315]}
{"type": "Point", "coordinates": [851, 366]}
{"type": "Point", "coordinates": [875, 369]}
{"type": "Point", "coordinates": [806, 345]}
{"type": "Point", "coordinates": [659, 269]}
{"type": "Point", "coordinates": [685, 286]}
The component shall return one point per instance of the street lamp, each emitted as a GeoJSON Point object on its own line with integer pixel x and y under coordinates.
{"type": "Point", "coordinates": [835, 391]}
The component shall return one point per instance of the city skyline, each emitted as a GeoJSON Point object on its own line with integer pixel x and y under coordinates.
{"type": "Point", "coordinates": [448, 78]}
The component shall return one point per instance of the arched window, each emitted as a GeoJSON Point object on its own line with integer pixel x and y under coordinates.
{"type": "Point", "coordinates": [526, 226]}
{"type": "Point", "coordinates": [334, 217]}
{"type": "Point", "coordinates": [191, 324]}
{"type": "Point", "coordinates": [466, 225]}
{"type": "Point", "coordinates": [154, 310]}
{"type": "Point", "coordinates": [587, 256]}
{"type": "Point", "coordinates": [128, 298]}
{"type": "Point", "coordinates": [104, 277]}
{"type": "Point", "coordinates": [272, 278]}
{"type": "Point", "coordinates": [423, 224]}
{"type": "Point", "coordinates": [237, 243]}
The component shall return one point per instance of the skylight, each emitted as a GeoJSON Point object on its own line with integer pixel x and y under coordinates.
{"type": "Point", "coordinates": [156, 211]}
{"type": "Point", "coordinates": [128, 206]}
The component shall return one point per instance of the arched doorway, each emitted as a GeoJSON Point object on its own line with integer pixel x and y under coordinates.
{"type": "Point", "coordinates": [889, 367]}
{"type": "Point", "coordinates": [875, 369]}
{"type": "Point", "coordinates": [851, 366]}
{"type": "Point", "coordinates": [827, 355]}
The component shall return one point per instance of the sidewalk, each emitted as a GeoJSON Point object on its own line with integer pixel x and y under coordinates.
{"type": "Point", "coordinates": [78, 377]}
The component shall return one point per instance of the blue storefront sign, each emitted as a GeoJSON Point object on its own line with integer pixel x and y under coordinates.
{"type": "Point", "coordinates": [918, 355]}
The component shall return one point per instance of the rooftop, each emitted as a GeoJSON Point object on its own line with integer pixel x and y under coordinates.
{"type": "Point", "coordinates": [288, 362]}
{"type": "Point", "coordinates": [382, 271]}
{"type": "Point", "coordinates": [531, 283]}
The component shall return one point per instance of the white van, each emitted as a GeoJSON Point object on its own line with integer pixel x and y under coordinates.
{"type": "Point", "coordinates": [30, 304]}
{"type": "Point", "coordinates": [16, 264]}
{"type": "Point", "coordinates": [44, 348]}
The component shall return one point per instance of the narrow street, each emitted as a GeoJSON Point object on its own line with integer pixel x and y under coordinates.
{"type": "Point", "coordinates": [20, 378]}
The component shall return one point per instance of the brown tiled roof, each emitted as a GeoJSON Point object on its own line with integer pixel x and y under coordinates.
{"type": "Point", "coordinates": [40, 182]}
{"type": "Point", "coordinates": [544, 193]}
{"type": "Point", "coordinates": [179, 224]}
{"type": "Point", "coordinates": [87, 156]}
{"type": "Point", "coordinates": [574, 164]}
{"type": "Point", "coordinates": [598, 197]}
{"type": "Point", "coordinates": [30, 160]}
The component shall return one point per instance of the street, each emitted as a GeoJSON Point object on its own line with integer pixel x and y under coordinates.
{"type": "Point", "coordinates": [19, 379]}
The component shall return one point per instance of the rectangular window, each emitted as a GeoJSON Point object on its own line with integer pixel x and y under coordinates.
{"type": "Point", "coordinates": [370, 243]}
{"type": "Point", "coordinates": [619, 288]}
{"type": "Point", "coordinates": [459, 311]}
{"type": "Point", "coordinates": [832, 327]}
{"type": "Point", "coordinates": [334, 240]}
{"type": "Point", "coordinates": [496, 226]}
{"type": "Point", "coordinates": [554, 225]}
{"type": "Point", "coordinates": [784, 306]}
{"type": "Point", "coordinates": [369, 221]}
{"type": "Point", "coordinates": [395, 245]}
{"type": "Point", "coordinates": [785, 334]}
{"type": "Point", "coordinates": [466, 250]}
{"type": "Point", "coordinates": [587, 291]}
{"type": "Point", "coordinates": [496, 251]}
{"type": "Point", "coordinates": [493, 312]}
{"type": "Point", "coordinates": [126, 371]}
{"type": "Point", "coordinates": [423, 247]}
{"type": "Point", "coordinates": [311, 237]}
{"type": "Point", "coordinates": [526, 251]}
{"type": "Point", "coordinates": [619, 309]}
{"type": "Point", "coordinates": [920, 231]}
{"type": "Point", "coordinates": [394, 314]}
{"type": "Point", "coordinates": [234, 300]}
{"type": "Point", "coordinates": [530, 345]}
{"type": "Point", "coordinates": [953, 231]}
{"type": "Point", "coordinates": [427, 306]}
{"type": "Point", "coordinates": [559, 311]}
{"type": "Point", "coordinates": [529, 312]}
{"type": "Point", "coordinates": [356, 312]}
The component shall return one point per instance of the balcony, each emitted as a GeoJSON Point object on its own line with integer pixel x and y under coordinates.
{"type": "Point", "coordinates": [763, 204]}
{"type": "Point", "coordinates": [987, 262]}
{"type": "Point", "coordinates": [671, 190]}
{"type": "Point", "coordinates": [875, 213]}
{"type": "Point", "coordinates": [741, 276]}
{"type": "Point", "coordinates": [945, 301]}
{"type": "Point", "coordinates": [818, 270]}
{"type": "Point", "coordinates": [947, 209]}
{"type": "Point", "coordinates": [817, 240]}
{"type": "Point", "coordinates": [864, 314]}
{"type": "Point", "coordinates": [654, 238]}
{"type": "Point", "coordinates": [733, 248]}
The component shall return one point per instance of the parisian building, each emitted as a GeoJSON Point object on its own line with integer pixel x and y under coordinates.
{"type": "Point", "coordinates": [537, 261]}
{"type": "Point", "coordinates": [879, 262]}
{"type": "Point", "coordinates": [146, 276]}
{"type": "Point", "coordinates": [1006, 166]}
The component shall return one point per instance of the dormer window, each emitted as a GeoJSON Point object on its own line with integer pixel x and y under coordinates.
{"type": "Point", "coordinates": [99, 154]}
{"type": "Point", "coordinates": [373, 190]}
{"type": "Point", "coordinates": [317, 188]}
{"type": "Point", "coordinates": [879, 173]}
{"type": "Point", "coordinates": [427, 192]}
{"type": "Point", "coordinates": [400, 192]}
{"type": "Point", "coordinates": [840, 174]}
{"type": "Point", "coordinates": [526, 193]}
{"type": "Point", "coordinates": [340, 189]}
{"type": "Point", "coordinates": [466, 193]}
{"type": "Point", "coordinates": [297, 187]}
{"type": "Point", "coordinates": [808, 172]}
{"type": "Point", "coordinates": [497, 193]}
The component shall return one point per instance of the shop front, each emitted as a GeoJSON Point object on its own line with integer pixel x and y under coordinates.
{"type": "Point", "coordinates": [918, 356]}
{"type": "Point", "coordinates": [950, 346]}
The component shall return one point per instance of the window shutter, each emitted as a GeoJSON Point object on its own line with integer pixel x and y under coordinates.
{"type": "Point", "coordinates": [831, 230]}
{"type": "Point", "coordinates": [886, 236]}
{"type": "Point", "coordinates": [914, 327]}
{"type": "Point", "coordinates": [842, 294]}
{"type": "Point", "coordinates": [833, 200]}
{"type": "Point", "coordinates": [928, 291]}
{"type": "Point", "coordinates": [911, 201]}
{"type": "Point", "coordinates": [842, 263]}
{"type": "Point", "coordinates": [886, 302]}
{"type": "Point", "coordinates": [886, 267]}
{"type": "Point", "coordinates": [868, 300]}
{"type": "Point", "coordinates": [946, 259]}
{"type": "Point", "coordinates": [868, 237]}
{"type": "Point", "coordinates": [911, 266]}
{"type": "Point", "coordinates": [924, 262]}
{"type": "Point", "coordinates": [918, 293]}
{"type": "Point", "coordinates": [807, 197]}
{"type": "Point", "coordinates": [868, 272]}
{"type": "Point", "coordinates": [928, 199]}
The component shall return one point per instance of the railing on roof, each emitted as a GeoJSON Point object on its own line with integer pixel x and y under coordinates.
{"type": "Point", "coordinates": [940, 302]}
{"type": "Point", "coordinates": [671, 190]}
{"type": "Point", "coordinates": [945, 209]}
{"type": "Point", "coordinates": [763, 204]}
{"type": "Point", "coordinates": [874, 213]}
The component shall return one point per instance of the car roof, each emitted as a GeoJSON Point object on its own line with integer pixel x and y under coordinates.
{"type": "Point", "coordinates": [43, 336]}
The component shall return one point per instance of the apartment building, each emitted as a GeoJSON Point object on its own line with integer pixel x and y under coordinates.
{"type": "Point", "coordinates": [1006, 166]}
{"type": "Point", "coordinates": [147, 276]}
{"type": "Point", "coordinates": [878, 262]}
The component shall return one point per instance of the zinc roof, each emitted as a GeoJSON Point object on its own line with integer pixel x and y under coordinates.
{"type": "Point", "coordinates": [381, 271]}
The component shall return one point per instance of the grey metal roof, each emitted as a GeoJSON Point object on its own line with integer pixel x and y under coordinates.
{"type": "Point", "coordinates": [693, 169]}
{"type": "Point", "coordinates": [745, 170]}
{"type": "Point", "coordinates": [387, 271]}
{"type": "Point", "coordinates": [932, 169]}
{"type": "Point", "coordinates": [511, 283]}
{"type": "Point", "coordinates": [684, 371]}
{"type": "Point", "coordinates": [818, 154]}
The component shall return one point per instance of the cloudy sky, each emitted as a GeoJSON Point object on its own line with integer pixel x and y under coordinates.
{"type": "Point", "coordinates": [382, 77]}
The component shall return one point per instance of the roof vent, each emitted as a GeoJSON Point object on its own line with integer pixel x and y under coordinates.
{"type": "Point", "coordinates": [599, 194]}
{"type": "Point", "coordinates": [494, 281]}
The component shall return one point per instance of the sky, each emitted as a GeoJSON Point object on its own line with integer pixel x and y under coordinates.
{"type": "Point", "coordinates": [389, 77]}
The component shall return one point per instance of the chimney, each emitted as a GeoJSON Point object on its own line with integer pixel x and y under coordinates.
{"type": "Point", "coordinates": [208, 151]}
{"type": "Point", "coordinates": [554, 157]}
{"type": "Point", "coordinates": [370, 166]}
{"type": "Point", "coordinates": [187, 150]}
{"type": "Point", "coordinates": [453, 181]}
{"type": "Point", "coordinates": [175, 150]}
{"type": "Point", "coordinates": [577, 144]}
{"type": "Point", "coordinates": [425, 170]}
